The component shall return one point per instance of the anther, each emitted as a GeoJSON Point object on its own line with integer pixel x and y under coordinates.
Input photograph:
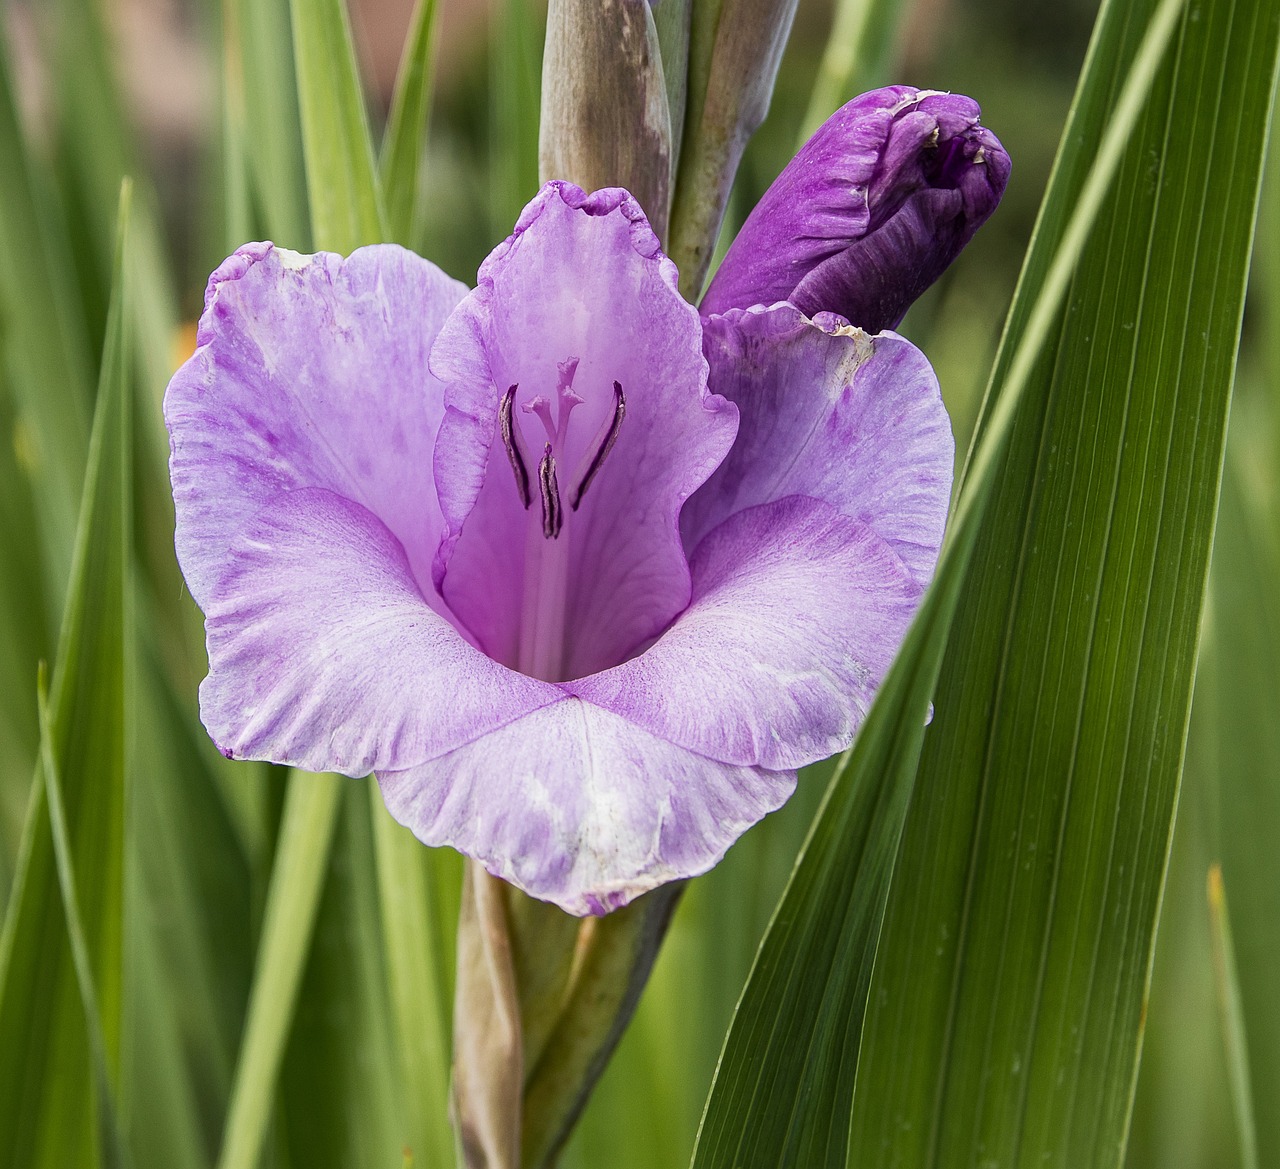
{"type": "Point", "coordinates": [604, 444]}
{"type": "Point", "coordinates": [511, 440]}
{"type": "Point", "coordinates": [552, 513]}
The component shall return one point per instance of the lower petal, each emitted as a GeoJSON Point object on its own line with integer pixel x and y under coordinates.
{"type": "Point", "coordinates": [797, 614]}
{"type": "Point", "coordinates": [324, 655]}
{"type": "Point", "coordinates": [577, 806]}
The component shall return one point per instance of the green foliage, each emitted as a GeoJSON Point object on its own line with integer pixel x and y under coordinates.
{"type": "Point", "coordinates": [61, 951]}
{"type": "Point", "coordinates": [1048, 779]}
{"type": "Point", "coordinates": [206, 963]}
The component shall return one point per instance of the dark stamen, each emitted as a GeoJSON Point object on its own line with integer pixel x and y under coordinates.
{"type": "Point", "coordinates": [511, 440]}
{"type": "Point", "coordinates": [607, 438]}
{"type": "Point", "coordinates": [552, 512]}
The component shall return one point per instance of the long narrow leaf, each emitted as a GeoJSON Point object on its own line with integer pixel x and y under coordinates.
{"type": "Point", "coordinates": [1008, 1002]}
{"type": "Point", "coordinates": [47, 1095]}
{"type": "Point", "coordinates": [783, 1087]}
{"type": "Point", "coordinates": [311, 812]}
{"type": "Point", "coordinates": [341, 181]}
{"type": "Point", "coordinates": [400, 164]}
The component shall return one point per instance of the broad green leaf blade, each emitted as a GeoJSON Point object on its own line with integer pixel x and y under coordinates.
{"type": "Point", "coordinates": [47, 1095]}
{"type": "Point", "coordinates": [311, 812]}
{"type": "Point", "coordinates": [341, 182]}
{"type": "Point", "coordinates": [782, 1089]}
{"type": "Point", "coordinates": [400, 163]}
{"type": "Point", "coordinates": [1010, 982]}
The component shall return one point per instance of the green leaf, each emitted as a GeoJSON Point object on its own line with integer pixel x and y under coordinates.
{"type": "Point", "coordinates": [416, 941]}
{"type": "Point", "coordinates": [47, 1092]}
{"type": "Point", "coordinates": [43, 344]}
{"type": "Point", "coordinates": [264, 121]}
{"type": "Point", "coordinates": [342, 185]}
{"type": "Point", "coordinates": [515, 97]}
{"type": "Point", "coordinates": [1009, 994]}
{"type": "Point", "coordinates": [782, 1094]}
{"type": "Point", "coordinates": [853, 61]}
{"type": "Point", "coordinates": [306, 833]}
{"type": "Point", "coordinates": [1233, 1024]}
{"type": "Point", "coordinates": [400, 165]}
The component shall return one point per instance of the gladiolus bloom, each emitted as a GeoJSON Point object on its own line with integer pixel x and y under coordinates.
{"type": "Point", "coordinates": [582, 577]}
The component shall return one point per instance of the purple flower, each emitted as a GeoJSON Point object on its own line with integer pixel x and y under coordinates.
{"type": "Point", "coordinates": [583, 577]}
{"type": "Point", "coordinates": [870, 211]}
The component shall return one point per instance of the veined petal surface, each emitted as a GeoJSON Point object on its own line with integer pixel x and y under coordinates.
{"type": "Point", "coordinates": [581, 280]}
{"type": "Point", "coordinates": [595, 810]}
{"type": "Point", "coordinates": [310, 371]}
{"type": "Point", "coordinates": [797, 612]}
{"type": "Point", "coordinates": [324, 654]}
{"type": "Point", "coordinates": [829, 412]}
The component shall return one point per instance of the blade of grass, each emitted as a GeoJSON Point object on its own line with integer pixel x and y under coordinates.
{"type": "Point", "coordinates": [411, 934]}
{"type": "Point", "coordinates": [342, 186]}
{"type": "Point", "coordinates": [306, 833]}
{"type": "Point", "coordinates": [400, 164]}
{"type": "Point", "coordinates": [113, 1150]}
{"type": "Point", "coordinates": [46, 350]}
{"type": "Point", "coordinates": [47, 1098]}
{"type": "Point", "coordinates": [1233, 1024]}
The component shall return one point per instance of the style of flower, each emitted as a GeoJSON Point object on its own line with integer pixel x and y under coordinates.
{"type": "Point", "coordinates": [584, 578]}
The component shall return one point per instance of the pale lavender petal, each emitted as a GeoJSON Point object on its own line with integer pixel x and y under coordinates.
{"type": "Point", "coordinates": [311, 371]}
{"type": "Point", "coordinates": [828, 412]}
{"type": "Point", "coordinates": [870, 211]}
{"type": "Point", "coordinates": [577, 806]}
{"type": "Point", "coordinates": [797, 613]}
{"type": "Point", "coordinates": [324, 654]}
{"type": "Point", "coordinates": [581, 279]}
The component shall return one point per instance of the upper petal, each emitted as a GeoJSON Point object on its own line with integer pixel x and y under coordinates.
{"type": "Point", "coordinates": [870, 211]}
{"type": "Point", "coordinates": [578, 806]}
{"type": "Point", "coordinates": [828, 412]}
{"type": "Point", "coordinates": [323, 653]}
{"type": "Point", "coordinates": [797, 613]}
{"type": "Point", "coordinates": [310, 371]}
{"type": "Point", "coordinates": [582, 278]}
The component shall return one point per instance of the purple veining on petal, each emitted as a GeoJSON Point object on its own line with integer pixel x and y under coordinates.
{"type": "Point", "coordinates": [797, 613]}
{"type": "Point", "coordinates": [311, 371]}
{"type": "Point", "coordinates": [828, 412]}
{"type": "Point", "coordinates": [579, 293]}
{"type": "Point", "coordinates": [870, 211]}
{"type": "Point", "coordinates": [324, 654]}
{"type": "Point", "coordinates": [578, 806]}
{"type": "Point", "coordinates": [583, 610]}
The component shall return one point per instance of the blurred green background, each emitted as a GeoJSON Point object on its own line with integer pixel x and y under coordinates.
{"type": "Point", "coordinates": [138, 87]}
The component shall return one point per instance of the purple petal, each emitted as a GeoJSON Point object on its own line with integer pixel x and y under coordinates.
{"type": "Point", "coordinates": [311, 371]}
{"type": "Point", "coordinates": [577, 806]}
{"type": "Point", "coordinates": [581, 279]}
{"type": "Point", "coordinates": [324, 654]}
{"type": "Point", "coordinates": [797, 613]}
{"type": "Point", "coordinates": [828, 412]}
{"type": "Point", "coordinates": [869, 212]}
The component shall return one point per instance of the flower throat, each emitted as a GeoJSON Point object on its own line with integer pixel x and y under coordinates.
{"type": "Point", "coordinates": [542, 627]}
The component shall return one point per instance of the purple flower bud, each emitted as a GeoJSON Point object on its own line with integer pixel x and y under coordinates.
{"type": "Point", "coordinates": [869, 212]}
